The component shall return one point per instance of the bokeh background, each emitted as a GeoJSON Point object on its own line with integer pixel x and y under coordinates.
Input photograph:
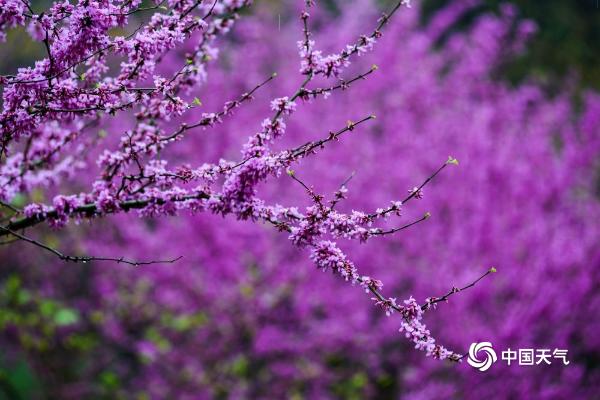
{"type": "Point", "coordinates": [509, 88]}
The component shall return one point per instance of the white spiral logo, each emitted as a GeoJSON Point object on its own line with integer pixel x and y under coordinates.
{"type": "Point", "coordinates": [490, 356]}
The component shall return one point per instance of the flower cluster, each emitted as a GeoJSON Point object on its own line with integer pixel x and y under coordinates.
{"type": "Point", "coordinates": [283, 105]}
{"type": "Point", "coordinates": [418, 333]}
{"type": "Point", "coordinates": [12, 13]}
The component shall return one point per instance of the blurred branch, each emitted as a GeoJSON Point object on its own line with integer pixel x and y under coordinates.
{"type": "Point", "coordinates": [84, 259]}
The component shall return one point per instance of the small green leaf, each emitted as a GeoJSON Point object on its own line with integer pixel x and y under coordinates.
{"type": "Point", "coordinates": [66, 316]}
{"type": "Point", "coordinates": [23, 297]}
{"type": "Point", "coordinates": [109, 379]}
{"type": "Point", "coordinates": [240, 366]}
{"type": "Point", "coordinates": [47, 308]}
{"type": "Point", "coordinates": [182, 323]}
{"type": "Point", "coordinates": [19, 200]}
{"type": "Point", "coordinates": [452, 160]}
{"type": "Point", "coordinates": [247, 291]}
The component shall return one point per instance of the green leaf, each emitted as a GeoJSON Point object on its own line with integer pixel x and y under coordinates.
{"type": "Point", "coordinates": [109, 380]}
{"type": "Point", "coordinates": [66, 316]}
{"type": "Point", "coordinates": [240, 366]}
{"type": "Point", "coordinates": [452, 160]}
{"type": "Point", "coordinates": [47, 308]}
{"type": "Point", "coordinates": [19, 200]}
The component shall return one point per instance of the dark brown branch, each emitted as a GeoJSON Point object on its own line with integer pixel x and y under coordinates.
{"type": "Point", "coordinates": [311, 146]}
{"type": "Point", "coordinates": [344, 84]}
{"type": "Point", "coordinates": [394, 230]}
{"type": "Point", "coordinates": [84, 259]}
{"type": "Point", "coordinates": [11, 207]}
{"type": "Point", "coordinates": [90, 210]}
{"type": "Point", "coordinates": [231, 105]}
{"type": "Point", "coordinates": [413, 193]}
{"type": "Point", "coordinates": [434, 300]}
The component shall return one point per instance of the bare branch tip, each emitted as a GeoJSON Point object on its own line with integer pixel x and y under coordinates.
{"type": "Point", "coordinates": [452, 160]}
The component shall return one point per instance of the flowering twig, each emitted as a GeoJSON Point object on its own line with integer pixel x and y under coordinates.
{"type": "Point", "coordinates": [434, 300]}
{"type": "Point", "coordinates": [49, 103]}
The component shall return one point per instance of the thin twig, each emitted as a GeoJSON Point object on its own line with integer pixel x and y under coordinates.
{"type": "Point", "coordinates": [85, 259]}
{"type": "Point", "coordinates": [394, 230]}
{"type": "Point", "coordinates": [11, 207]}
{"type": "Point", "coordinates": [454, 290]}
